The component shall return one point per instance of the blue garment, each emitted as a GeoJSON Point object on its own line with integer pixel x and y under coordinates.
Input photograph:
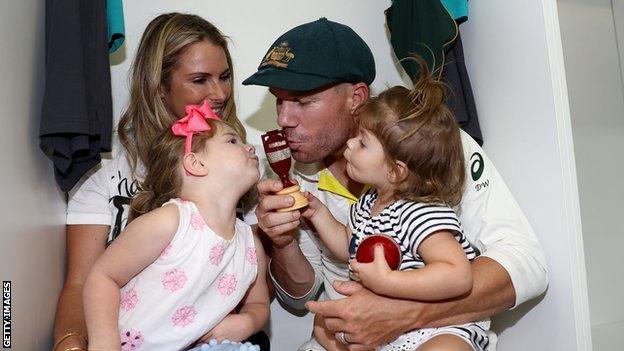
{"type": "Point", "coordinates": [116, 30]}
{"type": "Point", "coordinates": [457, 8]}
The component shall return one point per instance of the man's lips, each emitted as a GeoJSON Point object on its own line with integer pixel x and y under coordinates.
{"type": "Point", "coordinates": [293, 144]}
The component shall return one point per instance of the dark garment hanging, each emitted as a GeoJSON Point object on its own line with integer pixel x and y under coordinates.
{"type": "Point", "coordinates": [76, 116]}
{"type": "Point", "coordinates": [426, 28]}
{"type": "Point", "coordinates": [461, 101]}
{"type": "Point", "coordinates": [422, 27]}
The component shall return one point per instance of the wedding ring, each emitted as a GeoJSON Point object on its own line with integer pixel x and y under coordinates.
{"type": "Point", "coordinates": [340, 336]}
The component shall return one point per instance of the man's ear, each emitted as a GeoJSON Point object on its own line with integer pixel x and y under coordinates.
{"type": "Point", "coordinates": [359, 96]}
{"type": "Point", "coordinates": [193, 165]}
{"type": "Point", "coordinates": [398, 172]}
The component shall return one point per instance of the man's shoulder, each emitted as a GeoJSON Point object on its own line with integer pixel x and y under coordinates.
{"type": "Point", "coordinates": [469, 144]}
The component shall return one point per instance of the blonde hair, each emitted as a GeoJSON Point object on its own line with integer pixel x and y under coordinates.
{"type": "Point", "coordinates": [416, 127]}
{"type": "Point", "coordinates": [163, 171]}
{"type": "Point", "coordinates": [164, 40]}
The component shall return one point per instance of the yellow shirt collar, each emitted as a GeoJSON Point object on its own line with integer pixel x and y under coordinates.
{"type": "Point", "coordinates": [328, 182]}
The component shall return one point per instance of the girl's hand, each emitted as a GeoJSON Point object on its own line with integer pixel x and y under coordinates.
{"type": "Point", "coordinates": [315, 206]}
{"type": "Point", "coordinates": [234, 327]}
{"type": "Point", "coordinates": [373, 275]}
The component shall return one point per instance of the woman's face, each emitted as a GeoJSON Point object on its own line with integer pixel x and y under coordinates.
{"type": "Point", "coordinates": [202, 73]}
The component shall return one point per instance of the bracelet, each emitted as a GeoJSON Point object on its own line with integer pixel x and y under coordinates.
{"type": "Point", "coordinates": [68, 335]}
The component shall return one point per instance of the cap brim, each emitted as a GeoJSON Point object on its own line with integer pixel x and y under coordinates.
{"type": "Point", "coordinates": [284, 79]}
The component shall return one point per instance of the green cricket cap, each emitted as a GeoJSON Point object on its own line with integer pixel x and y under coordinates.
{"type": "Point", "coordinates": [313, 55]}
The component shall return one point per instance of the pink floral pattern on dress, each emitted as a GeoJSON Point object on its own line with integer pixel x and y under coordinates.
{"type": "Point", "coordinates": [251, 255]}
{"type": "Point", "coordinates": [216, 254]}
{"type": "Point", "coordinates": [129, 299]}
{"type": "Point", "coordinates": [184, 316]}
{"type": "Point", "coordinates": [197, 222]}
{"type": "Point", "coordinates": [131, 340]}
{"type": "Point", "coordinates": [227, 284]}
{"type": "Point", "coordinates": [166, 250]}
{"type": "Point", "coordinates": [174, 280]}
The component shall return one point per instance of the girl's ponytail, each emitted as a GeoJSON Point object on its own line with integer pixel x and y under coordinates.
{"type": "Point", "coordinates": [416, 127]}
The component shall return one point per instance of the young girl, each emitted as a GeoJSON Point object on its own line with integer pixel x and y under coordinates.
{"type": "Point", "coordinates": [181, 59]}
{"type": "Point", "coordinates": [186, 262]}
{"type": "Point", "coordinates": [408, 149]}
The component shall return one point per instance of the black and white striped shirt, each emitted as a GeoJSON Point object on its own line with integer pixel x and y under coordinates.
{"type": "Point", "coordinates": [408, 223]}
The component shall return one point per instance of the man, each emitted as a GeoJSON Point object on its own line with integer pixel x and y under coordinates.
{"type": "Point", "coordinates": [319, 73]}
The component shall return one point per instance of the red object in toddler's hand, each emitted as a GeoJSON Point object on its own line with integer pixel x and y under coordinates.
{"type": "Point", "coordinates": [366, 250]}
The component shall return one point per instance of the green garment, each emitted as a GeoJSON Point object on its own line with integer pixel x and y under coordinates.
{"type": "Point", "coordinates": [422, 27]}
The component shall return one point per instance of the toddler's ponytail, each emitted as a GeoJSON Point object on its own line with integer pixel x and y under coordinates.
{"type": "Point", "coordinates": [416, 127]}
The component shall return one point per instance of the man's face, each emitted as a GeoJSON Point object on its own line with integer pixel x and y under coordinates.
{"type": "Point", "coordinates": [316, 123]}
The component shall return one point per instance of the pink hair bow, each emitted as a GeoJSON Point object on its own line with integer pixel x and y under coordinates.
{"type": "Point", "coordinates": [193, 122]}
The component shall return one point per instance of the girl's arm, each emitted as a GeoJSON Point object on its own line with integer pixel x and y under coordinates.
{"type": "Point", "coordinates": [446, 273]}
{"type": "Point", "coordinates": [140, 244]}
{"type": "Point", "coordinates": [254, 312]}
{"type": "Point", "coordinates": [256, 302]}
{"type": "Point", "coordinates": [334, 234]}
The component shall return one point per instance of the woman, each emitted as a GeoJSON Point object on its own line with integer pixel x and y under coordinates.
{"type": "Point", "coordinates": [182, 59]}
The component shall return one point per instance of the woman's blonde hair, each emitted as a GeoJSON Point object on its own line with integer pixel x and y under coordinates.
{"type": "Point", "coordinates": [164, 40]}
{"type": "Point", "coordinates": [416, 127]}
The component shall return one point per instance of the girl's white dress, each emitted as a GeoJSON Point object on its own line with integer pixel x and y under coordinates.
{"type": "Point", "coordinates": [196, 281]}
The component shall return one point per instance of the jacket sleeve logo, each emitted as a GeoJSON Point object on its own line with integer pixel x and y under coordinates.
{"type": "Point", "coordinates": [476, 166]}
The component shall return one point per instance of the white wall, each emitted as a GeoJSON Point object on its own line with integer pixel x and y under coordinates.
{"type": "Point", "coordinates": [32, 211]}
{"type": "Point", "coordinates": [519, 84]}
{"type": "Point", "coordinates": [516, 70]}
{"type": "Point", "coordinates": [618, 19]}
{"type": "Point", "coordinates": [597, 111]}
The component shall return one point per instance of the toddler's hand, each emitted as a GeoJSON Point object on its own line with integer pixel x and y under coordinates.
{"type": "Point", "coordinates": [314, 206]}
{"type": "Point", "coordinates": [234, 327]}
{"type": "Point", "coordinates": [373, 274]}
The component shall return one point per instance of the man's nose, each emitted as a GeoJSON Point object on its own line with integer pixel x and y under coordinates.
{"type": "Point", "coordinates": [285, 116]}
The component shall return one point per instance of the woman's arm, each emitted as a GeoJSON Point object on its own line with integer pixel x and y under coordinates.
{"type": "Point", "coordinates": [334, 234]}
{"type": "Point", "coordinates": [85, 243]}
{"type": "Point", "coordinates": [139, 244]}
{"type": "Point", "coordinates": [446, 273]}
